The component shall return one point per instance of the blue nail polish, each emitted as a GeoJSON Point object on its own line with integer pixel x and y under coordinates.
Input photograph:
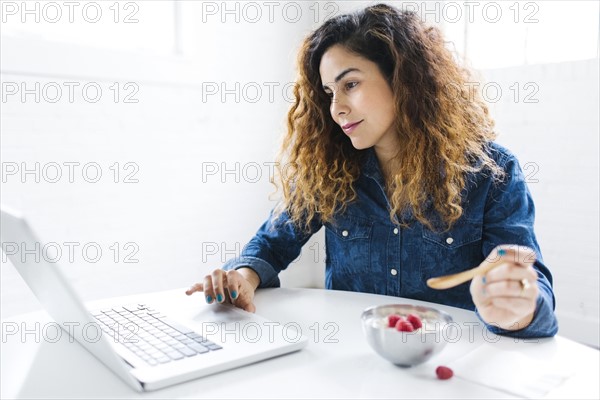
{"type": "Point", "coordinates": [209, 299]}
{"type": "Point", "coordinates": [220, 298]}
{"type": "Point", "coordinates": [501, 252]}
{"type": "Point", "coordinates": [483, 280]}
{"type": "Point", "coordinates": [234, 294]}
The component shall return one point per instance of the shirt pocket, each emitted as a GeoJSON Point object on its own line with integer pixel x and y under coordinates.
{"type": "Point", "coordinates": [452, 251]}
{"type": "Point", "coordinates": [349, 246]}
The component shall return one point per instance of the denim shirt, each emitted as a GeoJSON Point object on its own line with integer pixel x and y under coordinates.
{"type": "Point", "coordinates": [367, 252]}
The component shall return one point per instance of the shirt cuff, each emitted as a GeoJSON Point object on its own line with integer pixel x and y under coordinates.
{"type": "Point", "coordinates": [266, 273]}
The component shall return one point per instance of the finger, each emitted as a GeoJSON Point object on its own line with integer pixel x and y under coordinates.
{"type": "Point", "coordinates": [209, 291]}
{"type": "Point", "coordinates": [243, 298]}
{"type": "Point", "coordinates": [233, 284]}
{"type": "Point", "coordinates": [219, 283]}
{"type": "Point", "coordinates": [515, 305]}
{"type": "Point", "coordinates": [511, 271]}
{"type": "Point", "coordinates": [250, 307]}
{"type": "Point", "coordinates": [197, 287]}
{"type": "Point", "coordinates": [511, 288]}
{"type": "Point", "coordinates": [478, 291]}
{"type": "Point", "coordinates": [504, 288]}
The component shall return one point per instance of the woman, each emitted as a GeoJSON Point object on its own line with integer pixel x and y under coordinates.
{"type": "Point", "coordinates": [390, 150]}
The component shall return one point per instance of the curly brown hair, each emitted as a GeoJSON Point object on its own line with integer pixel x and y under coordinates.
{"type": "Point", "coordinates": [443, 124]}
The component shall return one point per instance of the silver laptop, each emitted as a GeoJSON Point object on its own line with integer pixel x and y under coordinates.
{"type": "Point", "coordinates": [145, 346]}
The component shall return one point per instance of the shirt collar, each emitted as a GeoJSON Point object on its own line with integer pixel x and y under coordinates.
{"type": "Point", "coordinates": [370, 166]}
{"type": "Point", "coordinates": [371, 169]}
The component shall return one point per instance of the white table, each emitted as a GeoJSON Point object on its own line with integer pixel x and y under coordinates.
{"type": "Point", "coordinates": [337, 363]}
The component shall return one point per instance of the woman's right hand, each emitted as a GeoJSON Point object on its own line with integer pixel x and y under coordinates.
{"type": "Point", "coordinates": [236, 286]}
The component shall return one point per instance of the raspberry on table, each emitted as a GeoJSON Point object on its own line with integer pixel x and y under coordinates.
{"type": "Point", "coordinates": [414, 320]}
{"type": "Point", "coordinates": [393, 320]}
{"type": "Point", "coordinates": [404, 326]}
{"type": "Point", "coordinates": [444, 372]}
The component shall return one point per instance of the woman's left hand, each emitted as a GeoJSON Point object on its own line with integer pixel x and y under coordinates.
{"type": "Point", "coordinates": [506, 296]}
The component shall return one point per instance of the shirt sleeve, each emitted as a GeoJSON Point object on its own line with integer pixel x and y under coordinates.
{"type": "Point", "coordinates": [509, 219]}
{"type": "Point", "coordinates": [274, 246]}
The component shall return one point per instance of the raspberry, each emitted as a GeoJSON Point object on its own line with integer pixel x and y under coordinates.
{"type": "Point", "coordinates": [404, 326]}
{"type": "Point", "coordinates": [393, 320]}
{"type": "Point", "coordinates": [414, 320]}
{"type": "Point", "coordinates": [443, 372]}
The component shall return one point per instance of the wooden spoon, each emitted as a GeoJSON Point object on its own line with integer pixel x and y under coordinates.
{"type": "Point", "coordinates": [449, 281]}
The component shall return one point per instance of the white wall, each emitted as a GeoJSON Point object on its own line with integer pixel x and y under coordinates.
{"type": "Point", "coordinates": [184, 225]}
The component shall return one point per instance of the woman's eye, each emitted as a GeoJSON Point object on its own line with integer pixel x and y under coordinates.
{"type": "Point", "coordinates": [347, 86]}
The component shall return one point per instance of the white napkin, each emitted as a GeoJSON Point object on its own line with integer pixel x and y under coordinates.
{"type": "Point", "coordinates": [509, 371]}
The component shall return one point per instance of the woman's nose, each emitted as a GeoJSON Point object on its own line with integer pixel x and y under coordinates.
{"type": "Point", "coordinates": [338, 106]}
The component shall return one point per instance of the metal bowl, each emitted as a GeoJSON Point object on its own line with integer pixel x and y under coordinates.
{"type": "Point", "coordinates": [406, 349]}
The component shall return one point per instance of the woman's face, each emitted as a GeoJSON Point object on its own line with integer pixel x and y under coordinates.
{"type": "Point", "coordinates": [361, 100]}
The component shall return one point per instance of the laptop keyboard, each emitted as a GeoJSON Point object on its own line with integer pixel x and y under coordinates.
{"type": "Point", "coordinates": [151, 336]}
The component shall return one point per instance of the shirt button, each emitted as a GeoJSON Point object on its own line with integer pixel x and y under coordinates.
{"type": "Point", "coordinates": [395, 231]}
{"type": "Point", "coordinates": [393, 272]}
{"type": "Point", "coordinates": [449, 240]}
{"type": "Point", "coordinates": [344, 233]}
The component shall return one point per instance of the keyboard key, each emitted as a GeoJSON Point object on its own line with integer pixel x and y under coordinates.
{"type": "Point", "coordinates": [163, 359]}
{"type": "Point", "coordinates": [175, 355]}
{"type": "Point", "coordinates": [155, 353]}
{"type": "Point", "coordinates": [198, 348]}
{"type": "Point", "coordinates": [162, 346]}
{"type": "Point", "coordinates": [131, 341]}
{"type": "Point", "coordinates": [134, 307]}
{"type": "Point", "coordinates": [214, 347]}
{"type": "Point", "coordinates": [170, 331]}
{"type": "Point", "coordinates": [193, 335]}
{"type": "Point", "coordinates": [177, 326]}
{"type": "Point", "coordinates": [179, 346]}
{"type": "Point", "coordinates": [188, 352]}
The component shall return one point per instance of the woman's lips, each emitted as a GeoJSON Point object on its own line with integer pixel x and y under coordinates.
{"type": "Point", "coordinates": [350, 127]}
